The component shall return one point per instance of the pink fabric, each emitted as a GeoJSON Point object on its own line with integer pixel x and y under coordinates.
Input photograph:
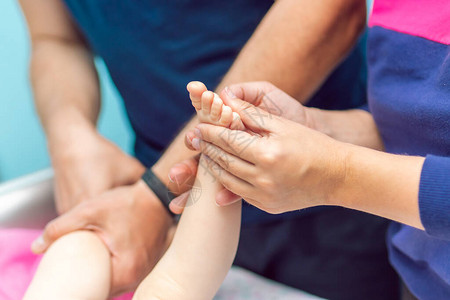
{"type": "Point", "coordinates": [18, 264]}
{"type": "Point", "coordinates": [429, 19]}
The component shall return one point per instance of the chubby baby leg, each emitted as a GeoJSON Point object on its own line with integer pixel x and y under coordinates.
{"type": "Point", "coordinates": [76, 267]}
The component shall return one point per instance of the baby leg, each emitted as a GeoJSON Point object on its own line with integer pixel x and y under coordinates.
{"type": "Point", "coordinates": [76, 267]}
{"type": "Point", "coordinates": [206, 239]}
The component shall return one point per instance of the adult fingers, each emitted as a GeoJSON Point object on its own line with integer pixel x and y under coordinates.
{"type": "Point", "coordinates": [229, 181]}
{"type": "Point", "coordinates": [188, 139]}
{"type": "Point", "coordinates": [129, 170]}
{"type": "Point", "coordinates": [256, 204]}
{"type": "Point", "coordinates": [230, 163]}
{"type": "Point", "coordinates": [182, 175]}
{"type": "Point", "coordinates": [177, 205]}
{"type": "Point", "coordinates": [254, 118]}
{"type": "Point", "coordinates": [75, 219]}
{"type": "Point", "coordinates": [259, 120]}
{"type": "Point", "coordinates": [236, 142]}
{"type": "Point", "coordinates": [251, 92]}
{"type": "Point", "coordinates": [226, 197]}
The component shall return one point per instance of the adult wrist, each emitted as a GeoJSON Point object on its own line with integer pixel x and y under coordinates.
{"type": "Point", "coordinates": [340, 193]}
{"type": "Point", "coordinates": [146, 197]}
{"type": "Point", "coordinates": [66, 126]}
{"type": "Point", "coordinates": [320, 120]}
{"type": "Point", "coordinates": [161, 172]}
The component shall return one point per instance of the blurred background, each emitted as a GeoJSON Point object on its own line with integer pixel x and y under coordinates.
{"type": "Point", "coordinates": [23, 148]}
{"type": "Point", "coordinates": [22, 142]}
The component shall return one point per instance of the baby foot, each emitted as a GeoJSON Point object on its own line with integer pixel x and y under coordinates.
{"type": "Point", "coordinates": [210, 108]}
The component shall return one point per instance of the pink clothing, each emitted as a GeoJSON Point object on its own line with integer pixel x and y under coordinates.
{"type": "Point", "coordinates": [18, 264]}
{"type": "Point", "coordinates": [423, 18]}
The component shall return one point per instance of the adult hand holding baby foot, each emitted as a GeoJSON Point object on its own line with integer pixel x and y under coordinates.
{"type": "Point", "coordinates": [277, 166]}
{"type": "Point", "coordinates": [263, 95]}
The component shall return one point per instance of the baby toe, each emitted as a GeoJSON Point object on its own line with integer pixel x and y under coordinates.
{"type": "Point", "coordinates": [207, 99]}
{"type": "Point", "coordinates": [227, 116]}
{"type": "Point", "coordinates": [216, 108]}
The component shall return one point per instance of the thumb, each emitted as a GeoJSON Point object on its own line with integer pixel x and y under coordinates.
{"type": "Point", "coordinates": [71, 221]}
{"type": "Point", "coordinates": [182, 175]}
{"type": "Point", "coordinates": [254, 118]}
{"type": "Point", "coordinates": [252, 92]}
{"type": "Point", "coordinates": [229, 98]}
{"type": "Point", "coordinates": [129, 170]}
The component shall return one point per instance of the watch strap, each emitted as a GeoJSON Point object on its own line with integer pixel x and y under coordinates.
{"type": "Point", "coordinates": [159, 188]}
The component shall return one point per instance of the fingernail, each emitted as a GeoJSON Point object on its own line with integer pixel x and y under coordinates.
{"type": "Point", "coordinates": [197, 132]}
{"type": "Point", "coordinates": [196, 143]}
{"type": "Point", "coordinates": [38, 245]}
{"type": "Point", "coordinates": [229, 92]}
{"type": "Point", "coordinates": [170, 177]}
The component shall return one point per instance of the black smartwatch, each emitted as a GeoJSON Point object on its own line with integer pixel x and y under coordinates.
{"type": "Point", "coordinates": [159, 188]}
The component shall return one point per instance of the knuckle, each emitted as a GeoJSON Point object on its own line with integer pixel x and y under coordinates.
{"type": "Point", "coordinates": [223, 161]}
{"type": "Point", "coordinates": [209, 150]}
{"type": "Point", "coordinates": [267, 157]}
{"type": "Point", "coordinates": [265, 183]}
{"type": "Point", "coordinates": [270, 155]}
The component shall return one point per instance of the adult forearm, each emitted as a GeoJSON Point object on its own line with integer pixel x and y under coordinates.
{"type": "Point", "coordinates": [353, 126]}
{"type": "Point", "coordinates": [298, 43]}
{"type": "Point", "coordinates": [65, 87]}
{"type": "Point", "coordinates": [383, 184]}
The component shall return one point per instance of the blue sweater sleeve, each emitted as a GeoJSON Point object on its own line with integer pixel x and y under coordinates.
{"type": "Point", "coordinates": [434, 196]}
{"type": "Point", "coordinates": [365, 107]}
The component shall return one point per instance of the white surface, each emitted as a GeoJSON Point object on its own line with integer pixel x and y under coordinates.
{"type": "Point", "coordinates": [241, 284]}
{"type": "Point", "coordinates": [27, 202]}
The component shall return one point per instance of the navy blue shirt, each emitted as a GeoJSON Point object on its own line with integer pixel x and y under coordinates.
{"type": "Point", "coordinates": [154, 48]}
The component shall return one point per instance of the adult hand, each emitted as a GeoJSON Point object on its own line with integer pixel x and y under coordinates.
{"type": "Point", "coordinates": [86, 164]}
{"type": "Point", "coordinates": [263, 95]}
{"type": "Point", "coordinates": [132, 223]}
{"type": "Point", "coordinates": [277, 165]}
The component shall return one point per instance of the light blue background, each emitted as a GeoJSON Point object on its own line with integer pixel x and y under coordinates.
{"type": "Point", "coordinates": [22, 141]}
